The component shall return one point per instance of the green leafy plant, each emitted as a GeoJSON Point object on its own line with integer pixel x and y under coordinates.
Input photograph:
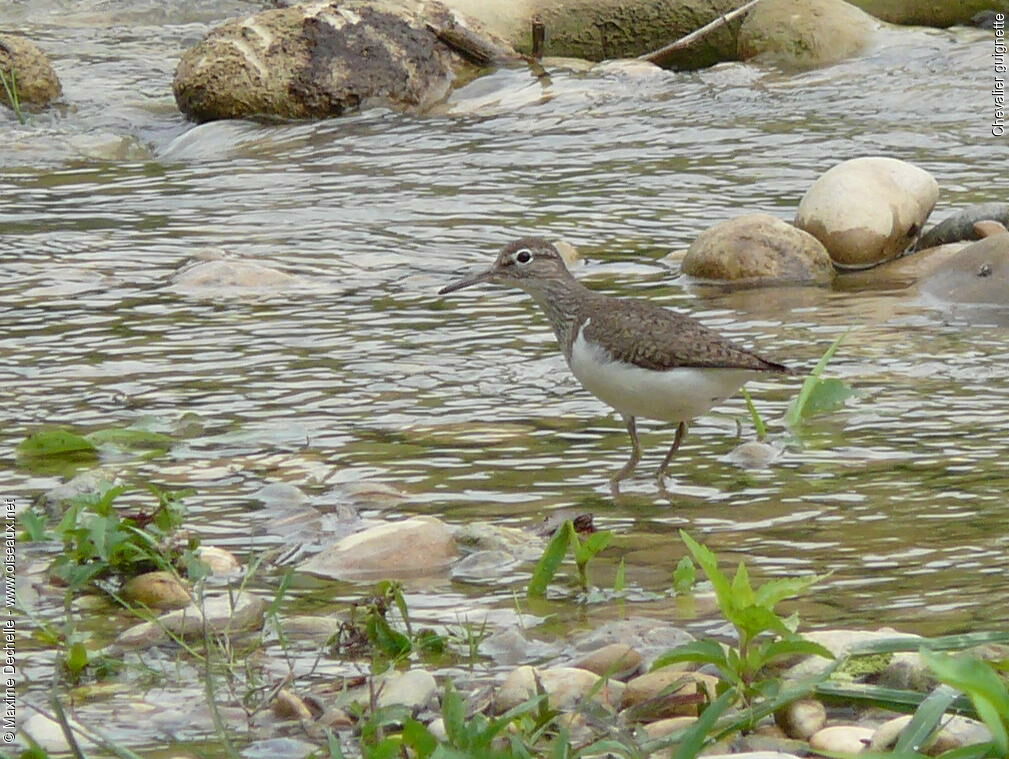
{"type": "Point", "coordinates": [987, 692]}
{"type": "Point", "coordinates": [100, 539]}
{"type": "Point", "coordinates": [763, 637]}
{"type": "Point", "coordinates": [10, 85]}
{"type": "Point", "coordinates": [819, 395]}
{"type": "Point", "coordinates": [566, 540]}
{"type": "Point", "coordinates": [370, 633]}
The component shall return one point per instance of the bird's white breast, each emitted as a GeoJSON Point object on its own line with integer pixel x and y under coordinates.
{"type": "Point", "coordinates": [674, 395]}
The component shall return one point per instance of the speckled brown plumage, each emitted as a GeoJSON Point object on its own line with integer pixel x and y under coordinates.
{"type": "Point", "coordinates": [647, 335]}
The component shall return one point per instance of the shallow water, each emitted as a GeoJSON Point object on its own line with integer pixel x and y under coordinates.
{"type": "Point", "coordinates": [364, 373]}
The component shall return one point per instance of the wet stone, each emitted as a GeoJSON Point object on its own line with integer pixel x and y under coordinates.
{"type": "Point", "coordinates": [409, 548]}
{"type": "Point", "coordinates": [841, 739]}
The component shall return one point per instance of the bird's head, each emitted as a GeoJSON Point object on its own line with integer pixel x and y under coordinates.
{"type": "Point", "coordinates": [524, 263]}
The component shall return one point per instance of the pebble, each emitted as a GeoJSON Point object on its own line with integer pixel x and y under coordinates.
{"type": "Point", "coordinates": [667, 692]}
{"type": "Point", "coordinates": [565, 687]}
{"type": "Point", "coordinates": [801, 719]}
{"type": "Point", "coordinates": [841, 739]}
{"type": "Point", "coordinates": [617, 660]}
{"type": "Point", "coordinates": [415, 688]}
{"type": "Point", "coordinates": [156, 590]}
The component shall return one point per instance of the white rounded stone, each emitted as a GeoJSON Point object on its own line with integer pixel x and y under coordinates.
{"type": "Point", "coordinates": [868, 210]}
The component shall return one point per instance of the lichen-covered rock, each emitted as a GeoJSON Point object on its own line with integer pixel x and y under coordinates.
{"type": "Point", "coordinates": [758, 249]}
{"type": "Point", "coordinates": [321, 59]}
{"type": "Point", "coordinates": [805, 33]}
{"type": "Point", "coordinates": [868, 210]}
{"type": "Point", "coordinates": [34, 76]}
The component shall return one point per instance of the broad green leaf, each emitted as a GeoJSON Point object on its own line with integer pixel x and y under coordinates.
{"type": "Point", "coordinates": [54, 441]}
{"type": "Point", "coordinates": [707, 651]}
{"type": "Point", "coordinates": [34, 526]}
{"type": "Point", "coordinates": [592, 545]}
{"type": "Point", "coordinates": [389, 642]}
{"type": "Point", "coordinates": [984, 688]}
{"type": "Point", "coordinates": [823, 397]}
{"type": "Point", "coordinates": [549, 562]}
{"type": "Point", "coordinates": [709, 563]}
{"type": "Point", "coordinates": [684, 576]}
{"type": "Point", "coordinates": [128, 437]}
{"type": "Point", "coordinates": [754, 620]}
{"type": "Point", "coordinates": [796, 408]}
{"type": "Point", "coordinates": [419, 738]}
{"type": "Point", "coordinates": [772, 592]}
{"type": "Point", "coordinates": [780, 648]}
{"type": "Point", "coordinates": [742, 591]}
{"type": "Point", "coordinates": [77, 658]}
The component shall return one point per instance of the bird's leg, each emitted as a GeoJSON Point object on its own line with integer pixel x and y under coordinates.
{"type": "Point", "coordinates": [632, 462]}
{"type": "Point", "coordinates": [681, 430]}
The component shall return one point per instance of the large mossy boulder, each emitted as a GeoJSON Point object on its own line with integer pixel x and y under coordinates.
{"type": "Point", "coordinates": [805, 33]}
{"type": "Point", "coordinates": [940, 13]}
{"type": "Point", "coordinates": [868, 210]}
{"type": "Point", "coordinates": [322, 59]}
{"type": "Point", "coordinates": [599, 30]}
{"type": "Point", "coordinates": [34, 78]}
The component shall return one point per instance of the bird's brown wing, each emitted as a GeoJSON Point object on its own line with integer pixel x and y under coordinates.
{"type": "Point", "coordinates": [652, 337]}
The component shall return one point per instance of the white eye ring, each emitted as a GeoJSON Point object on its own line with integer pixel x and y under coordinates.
{"type": "Point", "coordinates": [523, 256]}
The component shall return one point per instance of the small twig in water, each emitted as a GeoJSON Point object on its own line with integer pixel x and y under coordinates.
{"type": "Point", "coordinates": [660, 56]}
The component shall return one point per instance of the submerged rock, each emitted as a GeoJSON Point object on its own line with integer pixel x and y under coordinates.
{"type": "Point", "coordinates": [221, 614]}
{"type": "Point", "coordinates": [868, 210]}
{"type": "Point", "coordinates": [34, 77]}
{"type": "Point", "coordinates": [408, 548]}
{"type": "Point", "coordinates": [805, 33]}
{"type": "Point", "coordinates": [978, 275]}
{"type": "Point", "coordinates": [321, 59]}
{"type": "Point", "coordinates": [157, 590]}
{"type": "Point", "coordinates": [963, 225]}
{"type": "Point", "coordinates": [758, 249]}
{"type": "Point", "coordinates": [215, 273]}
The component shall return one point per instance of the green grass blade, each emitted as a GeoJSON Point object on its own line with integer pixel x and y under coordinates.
{"type": "Point", "coordinates": [926, 719]}
{"type": "Point", "coordinates": [549, 562]}
{"type": "Point", "coordinates": [697, 734]}
{"type": "Point", "coordinates": [758, 423]}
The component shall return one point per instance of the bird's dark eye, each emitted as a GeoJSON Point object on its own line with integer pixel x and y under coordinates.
{"type": "Point", "coordinates": [523, 256]}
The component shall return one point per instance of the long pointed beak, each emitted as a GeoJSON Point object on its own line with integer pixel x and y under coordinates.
{"type": "Point", "coordinates": [475, 279]}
